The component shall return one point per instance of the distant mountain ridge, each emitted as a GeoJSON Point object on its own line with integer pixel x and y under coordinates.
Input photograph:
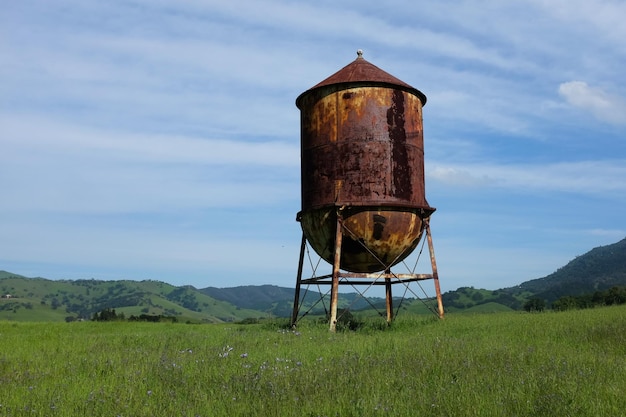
{"type": "Point", "coordinates": [40, 299]}
{"type": "Point", "coordinates": [599, 269]}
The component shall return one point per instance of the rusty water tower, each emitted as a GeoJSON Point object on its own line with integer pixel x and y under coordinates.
{"type": "Point", "coordinates": [364, 206]}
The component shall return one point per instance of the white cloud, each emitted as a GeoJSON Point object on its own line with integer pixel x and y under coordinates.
{"type": "Point", "coordinates": [59, 167]}
{"type": "Point", "coordinates": [458, 176]}
{"type": "Point", "coordinates": [603, 18]}
{"type": "Point", "coordinates": [57, 137]}
{"type": "Point", "coordinates": [601, 104]}
{"type": "Point", "coordinates": [585, 177]}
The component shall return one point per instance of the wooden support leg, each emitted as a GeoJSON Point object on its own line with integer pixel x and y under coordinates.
{"type": "Point", "coordinates": [434, 266]}
{"type": "Point", "coordinates": [296, 301]}
{"type": "Point", "coordinates": [389, 299]}
{"type": "Point", "coordinates": [334, 291]}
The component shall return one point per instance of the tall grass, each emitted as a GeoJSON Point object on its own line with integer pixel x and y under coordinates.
{"type": "Point", "coordinates": [506, 364]}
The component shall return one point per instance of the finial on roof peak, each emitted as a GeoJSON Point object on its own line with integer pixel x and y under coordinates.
{"type": "Point", "coordinates": [359, 53]}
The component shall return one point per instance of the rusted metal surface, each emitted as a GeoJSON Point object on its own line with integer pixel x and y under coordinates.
{"type": "Point", "coordinates": [373, 239]}
{"type": "Point", "coordinates": [362, 149]}
{"type": "Point", "coordinates": [362, 146]}
{"type": "Point", "coordinates": [364, 206]}
{"type": "Point", "coordinates": [363, 71]}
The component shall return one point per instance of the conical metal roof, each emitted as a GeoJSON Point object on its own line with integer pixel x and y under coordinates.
{"type": "Point", "coordinates": [362, 71]}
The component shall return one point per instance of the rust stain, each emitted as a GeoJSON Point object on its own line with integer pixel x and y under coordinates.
{"type": "Point", "coordinates": [401, 168]}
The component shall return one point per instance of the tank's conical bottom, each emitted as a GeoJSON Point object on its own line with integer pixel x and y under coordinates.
{"type": "Point", "coordinates": [374, 238]}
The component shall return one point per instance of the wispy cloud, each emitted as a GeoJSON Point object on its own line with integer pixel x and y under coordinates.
{"type": "Point", "coordinates": [615, 234]}
{"type": "Point", "coordinates": [75, 139]}
{"type": "Point", "coordinates": [601, 104]}
{"type": "Point", "coordinates": [602, 17]}
{"type": "Point", "coordinates": [56, 166]}
{"type": "Point", "coordinates": [583, 177]}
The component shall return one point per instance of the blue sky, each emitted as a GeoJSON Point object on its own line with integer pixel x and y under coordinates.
{"type": "Point", "coordinates": [153, 139]}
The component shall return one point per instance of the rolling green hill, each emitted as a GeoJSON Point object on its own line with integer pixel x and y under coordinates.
{"type": "Point", "coordinates": [43, 299]}
{"type": "Point", "coordinates": [40, 299]}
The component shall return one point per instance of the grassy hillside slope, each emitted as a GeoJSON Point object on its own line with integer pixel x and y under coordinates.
{"type": "Point", "coordinates": [599, 269]}
{"type": "Point", "coordinates": [50, 300]}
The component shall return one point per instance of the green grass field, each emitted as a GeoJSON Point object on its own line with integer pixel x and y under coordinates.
{"type": "Point", "coordinates": [504, 364]}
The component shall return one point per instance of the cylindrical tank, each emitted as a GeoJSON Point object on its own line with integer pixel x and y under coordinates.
{"type": "Point", "coordinates": [363, 157]}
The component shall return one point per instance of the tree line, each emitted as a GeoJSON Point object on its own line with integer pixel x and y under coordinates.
{"type": "Point", "coordinates": [109, 314]}
{"type": "Point", "coordinates": [613, 296]}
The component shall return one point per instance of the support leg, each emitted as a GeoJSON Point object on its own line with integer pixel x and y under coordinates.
{"type": "Point", "coordinates": [434, 266]}
{"type": "Point", "coordinates": [334, 291]}
{"type": "Point", "coordinates": [296, 301]}
{"type": "Point", "coordinates": [388, 299]}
